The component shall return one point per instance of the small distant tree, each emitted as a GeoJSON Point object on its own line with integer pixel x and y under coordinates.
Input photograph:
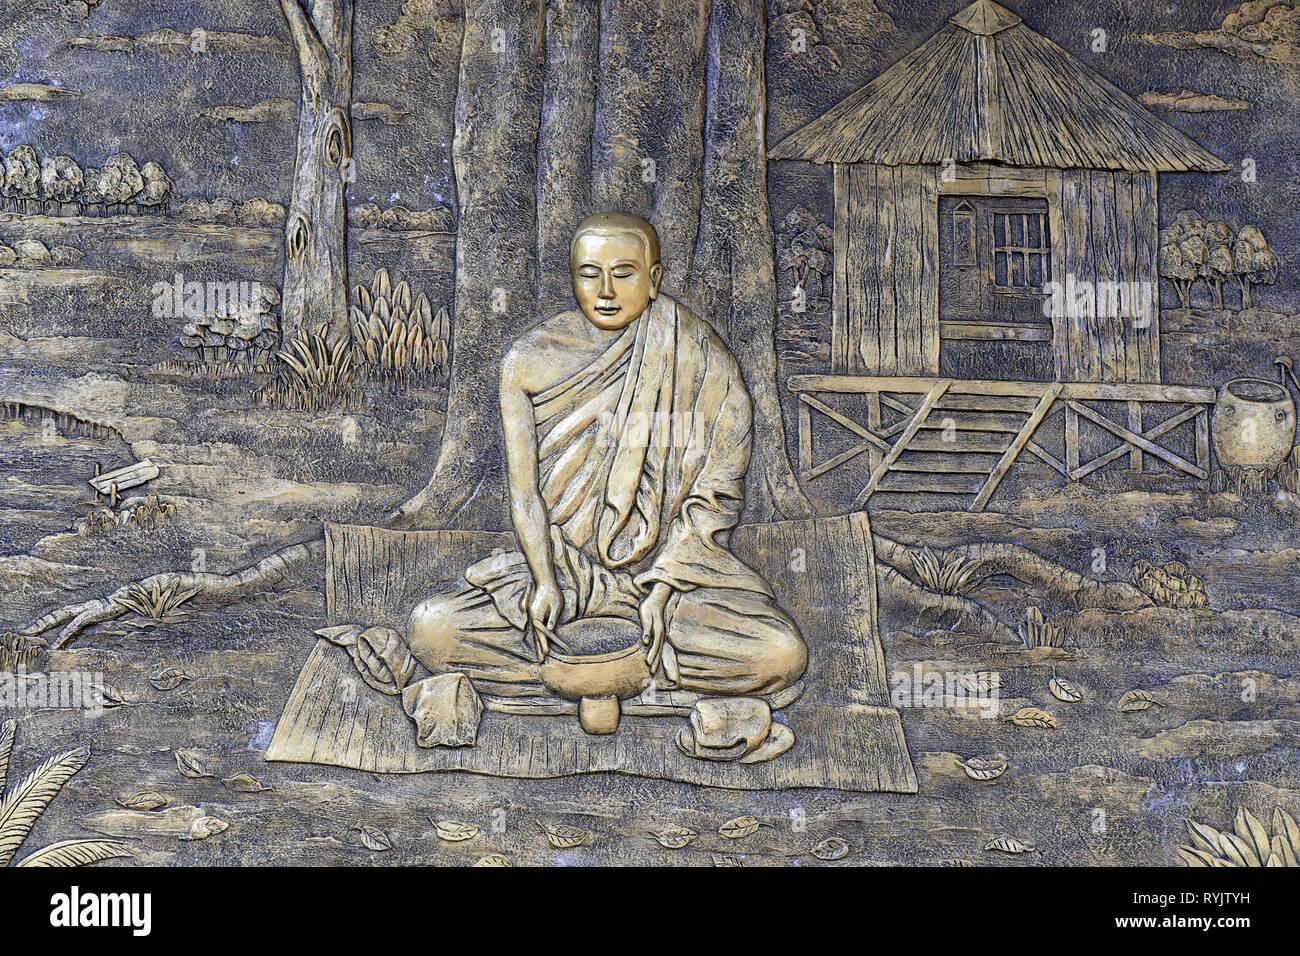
{"type": "Point", "coordinates": [1217, 267]}
{"type": "Point", "coordinates": [1253, 261]}
{"type": "Point", "coordinates": [803, 248]}
{"type": "Point", "coordinates": [1183, 253]}
{"type": "Point", "coordinates": [90, 200]}
{"type": "Point", "coordinates": [23, 178]}
{"type": "Point", "coordinates": [121, 182]}
{"type": "Point", "coordinates": [61, 182]}
{"type": "Point", "coordinates": [157, 190]}
{"type": "Point", "coordinates": [1175, 267]}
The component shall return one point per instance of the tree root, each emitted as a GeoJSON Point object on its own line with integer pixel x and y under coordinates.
{"type": "Point", "coordinates": [1027, 567]}
{"type": "Point", "coordinates": [265, 575]}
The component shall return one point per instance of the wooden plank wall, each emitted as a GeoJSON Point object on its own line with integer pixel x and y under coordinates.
{"type": "Point", "coordinates": [886, 293]}
{"type": "Point", "coordinates": [1105, 228]}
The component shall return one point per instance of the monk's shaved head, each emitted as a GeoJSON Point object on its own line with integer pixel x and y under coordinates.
{"type": "Point", "coordinates": [618, 223]}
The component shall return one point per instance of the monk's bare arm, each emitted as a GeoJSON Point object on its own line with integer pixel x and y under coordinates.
{"type": "Point", "coordinates": [527, 510]}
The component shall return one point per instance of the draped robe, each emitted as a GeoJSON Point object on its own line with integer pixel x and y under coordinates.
{"type": "Point", "coordinates": [642, 457]}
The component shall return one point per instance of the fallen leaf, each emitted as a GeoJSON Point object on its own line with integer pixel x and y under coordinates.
{"type": "Point", "coordinates": [145, 800]}
{"type": "Point", "coordinates": [1136, 700]}
{"type": "Point", "coordinates": [1063, 689]}
{"type": "Point", "coordinates": [373, 838]}
{"type": "Point", "coordinates": [1008, 845]}
{"type": "Point", "coordinates": [494, 859]}
{"type": "Point", "coordinates": [832, 848]}
{"type": "Point", "coordinates": [204, 827]}
{"type": "Point", "coordinates": [191, 764]}
{"type": "Point", "coordinates": [244, 783]}
{"type": "Point", "coordinates": [980, 682]}
{"type": "Point", "coordinates": [956, 863]}
{"type": "Point", "coordinates": [564, 837]}
{"type": "Point", "coordinates": [107, 696]}
{"type": "Point", "coordinates": [674, 838]}
{"type": "Point", "coordinates": [984, 768]}
{"type": "Point", "coordinates": [169, 679]}
{"type": "Point", "coordinates": [1032, 717]}
{"type": "Point", "coordinates": [454, 832]}
{"type": "Point", "coordinates": [739, 827]}
{"type": "Point", "coordinates": [726, 859]}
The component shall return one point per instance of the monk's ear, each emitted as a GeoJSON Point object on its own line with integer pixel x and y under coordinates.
{"type": "Point", "coordinates": [656, 276]}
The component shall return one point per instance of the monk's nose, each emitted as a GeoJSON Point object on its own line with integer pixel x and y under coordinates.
{"type": "Point", "coordinates": [606, 286]}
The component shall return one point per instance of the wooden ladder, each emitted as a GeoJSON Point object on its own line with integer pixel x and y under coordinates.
{"type": "Point", "coordinates": [962, 444]}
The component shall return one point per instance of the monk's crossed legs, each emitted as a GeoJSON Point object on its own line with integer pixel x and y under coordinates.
{"type": "Point", "coordinates": [727, 641]}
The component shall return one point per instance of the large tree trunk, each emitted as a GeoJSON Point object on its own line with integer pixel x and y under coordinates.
{"type": "Point", "coordinates": [494, 154]}
{"type": "Point", "coordinates": [315, 233]}
{"type": "Point", "coordinates": [735, 256]}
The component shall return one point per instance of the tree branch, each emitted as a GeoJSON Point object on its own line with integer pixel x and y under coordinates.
{"type": "Point", "coordinates": [312, 55]}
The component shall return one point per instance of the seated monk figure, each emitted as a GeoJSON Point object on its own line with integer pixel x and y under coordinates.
{"type": "Point", "coordinates": [627, 438]}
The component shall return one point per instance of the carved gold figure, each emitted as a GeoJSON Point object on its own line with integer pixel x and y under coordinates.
{"type": "Point", "coordinates": [628, 434]}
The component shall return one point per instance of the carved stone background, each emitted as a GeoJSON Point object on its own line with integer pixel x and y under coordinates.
{"type": "Point", "coordinates": [1093, 581]}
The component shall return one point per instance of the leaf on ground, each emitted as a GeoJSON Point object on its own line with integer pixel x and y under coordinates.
{"type": "Point", "coordinates": [1065, 690]}
{"type": "Point", "coordinates": [984, 768]}
{"type": "Point", "coordinates": [244, 783]}
{"type": "Point", "coordinates": [673, 837]}
{"type": "Point", "coordinates": [980, 682]}
{"type": "Point", "coordinates": [494, 859]}
{"type": "Point", "coordinates": [564, 837]}
{"type": "Point", "coordinates": [1137, 700]}
{"type": "Point", "coordinates": [205, 827]}
{"type": "Point", "coordinates": [1009, 845]}
{"type": "Point", "coordinates": [373, 838]}
{"type": "Point", "coordinates": [191, 764]}
{"type": "Point", "coordinates": [1032, 717]}
{"type": "Point", "coordinates": [727, 859]}
{"type": "Point", "coordinates": [832, 848]}
{"type": "Point", "coordinates": [145, 800]}
{"type": "Point", "coordinates": [454, 832]}
{"type": "Point", "coordinates": [739, 827]}
{"type": "Point", "coordinates": [169, 679]}
{"type": "Point", "coordinates": [107, 696]}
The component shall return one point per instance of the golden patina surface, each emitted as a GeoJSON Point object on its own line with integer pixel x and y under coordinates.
{"type": "Point", "coordinates": [716, 432]}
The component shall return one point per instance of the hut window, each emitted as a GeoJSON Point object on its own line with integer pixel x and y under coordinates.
{"type": "Point", "coordinates": [1022, 251]}
{"type": "Point", "coordinates": [963, 235]}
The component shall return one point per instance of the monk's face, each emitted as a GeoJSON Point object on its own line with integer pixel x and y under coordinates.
{"type": "Point", "coordinates": [612, 280]}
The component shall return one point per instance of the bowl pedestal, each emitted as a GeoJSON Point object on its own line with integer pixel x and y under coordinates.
{"type": "Point", "coordinates": [599, 715]}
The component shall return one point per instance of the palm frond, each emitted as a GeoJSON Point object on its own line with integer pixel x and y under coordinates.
{"type": "Point", "coordinates": [75, 853]}
{"type": "Point", "coordinates": [7, 731]}
{"type": "Point", "coordinates": [23, 805]}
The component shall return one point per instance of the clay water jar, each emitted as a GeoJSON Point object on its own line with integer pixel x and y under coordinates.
{"type": "Point", "coordinates": [1253, 425]}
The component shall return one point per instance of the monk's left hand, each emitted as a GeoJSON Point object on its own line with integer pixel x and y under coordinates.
{"type": "Point", "coordinates": [653, 626]}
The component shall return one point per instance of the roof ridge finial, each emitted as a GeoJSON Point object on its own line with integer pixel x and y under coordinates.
{"type": "Point", "coordinates": [985, 18]}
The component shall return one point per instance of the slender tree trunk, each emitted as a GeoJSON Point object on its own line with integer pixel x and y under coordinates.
{"type": "Point", "coordinates": [315, 237]}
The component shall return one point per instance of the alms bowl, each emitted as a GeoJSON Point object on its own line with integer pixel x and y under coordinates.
{"type": "Point", "coordinates": [605, 658]}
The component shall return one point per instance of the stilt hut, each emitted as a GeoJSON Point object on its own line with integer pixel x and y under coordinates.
{"type": "Point", "coordinates": [996, 221]}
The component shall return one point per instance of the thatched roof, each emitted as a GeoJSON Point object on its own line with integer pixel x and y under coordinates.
{"type": "Point", "coordinates": [986, 88]}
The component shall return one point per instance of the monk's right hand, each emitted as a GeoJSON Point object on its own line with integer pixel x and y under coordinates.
{"type": "Point", "coordinates": [544, 609]}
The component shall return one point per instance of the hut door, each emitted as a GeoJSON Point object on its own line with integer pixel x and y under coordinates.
{"type": "Point", "coordinates": [994, 261]}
